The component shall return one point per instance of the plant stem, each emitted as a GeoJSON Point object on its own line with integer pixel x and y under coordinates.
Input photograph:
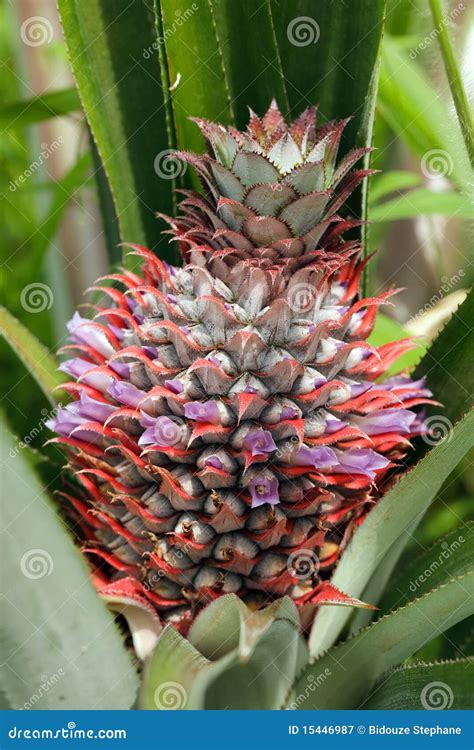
{"type": "Point", "coordinates": [454, 78]}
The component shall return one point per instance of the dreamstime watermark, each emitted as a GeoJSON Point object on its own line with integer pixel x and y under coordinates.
{"type": "Point", "coordinates": [36, 564]}
{"type": "Point", "coordinates": [46, 150]}
{"type": "Point", "coordinates": [303, 564]}
{"type": "Point", "coordinates": [436, 696]}
{"type": "Point", "coordinates": [26, 441]}
{"type": "Point", "coordinates": [170, 696]}
{"type": "Point", "coordinates": [167, 166]}
{"type": "Point", "coordinates": [448, 550]}
{"type": "Point", "coordinates": [71, 732]}
{"type": "Point", "coordinates": [446, 287]}
{"type": "Point", "coordinates": [179, 20]}
{"type": "Point", "coordinates": [312, 684]}
{"type": "Point", "coordinates": [447, 20]}
{"type": "Point", "coordinates": [438, 429]}
{"type": "Point", "coordinates": [36, 297]}
{"type": "Point", "coordinates": [302, 31]}
{"type": "Point", "coordinates": [301, 297]}
{"type": "Point", "coordinates": [47, 683]}
{"type": "Point", "coordinates": [436, 163]}
{"type": "Point", "coordinates": [36, 30]}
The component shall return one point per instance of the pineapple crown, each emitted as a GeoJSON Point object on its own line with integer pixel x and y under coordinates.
{"type": "Point", "coordinates": [271, 194]}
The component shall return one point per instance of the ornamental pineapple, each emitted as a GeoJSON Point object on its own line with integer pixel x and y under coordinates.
{"type": "Point", "coordinates": [229, 429]}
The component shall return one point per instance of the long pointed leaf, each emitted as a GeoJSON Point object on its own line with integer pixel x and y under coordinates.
{"type": "Point", "coordinates": [449, 363]}
{"type": "Point", "coordinates": [39, 108]}
{"type": "Point", "coordinates": [54, 630]}
{"type": "Point", "coordinates": [451, 555]}
{"type": "Point", "coordinates": [358, 663]}
{"type": "Point", "coordinates": [38, 361]}
{"type": "Point", "coordinates": [112, 49]}
{"type": "Point", "coordinates": [399, 509]}
{"type": "Point", "coordinates": [442, 686]}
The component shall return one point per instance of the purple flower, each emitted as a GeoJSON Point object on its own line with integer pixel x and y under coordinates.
{"type": "Point", "coordinates": [361, 461]}
{"type": "Point", "coordinates": [66, 419]}
{"type": "Point", "coordinates": [333, 425]}
{"type": "Point", "coordinates": [174, 385]}
{"type": "Point", "coordinates": [260, 441]}
{"type": "Point", "coordinates": [76, 367]}
{"type": "Point", "coordinates": [319, 382]}
{"type": "Point", "coordinates": [250, 389]}
{"type": "Point", "coordinates": [84, 331]}
{"type": "Point", "coordinates": [98, 411]}
{"type": "Point", "coordinates": [320, 457]}
{"type": "Point", "coordinates": [357, 389]}
{"type": "Point", "coordinates": [387, 420]}
{"type": "Point", "coordinates": [126, 393]}
{"type": "Point", "coordinates": [151, 351]}
{"type": "Point", "coordinates": [214, 461]}
{"type": "Point", "coordinates": [264, 489]}
{"type": "Point", "coordinates": [207, 412]}
{"type": "Point", "coordinates": [160, 431]}
{"type": "Point", "coordinates": [121, 368]}
{"type": "Point", "coordinates": [288, 412]}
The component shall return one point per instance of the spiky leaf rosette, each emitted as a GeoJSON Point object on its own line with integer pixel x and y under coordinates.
{"type": "Point", "coordinates": [229, 429]}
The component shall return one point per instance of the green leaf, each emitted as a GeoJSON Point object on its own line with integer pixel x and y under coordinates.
{"type": "Point", "coordinates": [382, 646]}
{"type": "Point", "coordinates": [445, 685]}
{"type": "Point", "coordinates": [393, 518]}
{"type": "Point", "coordinates": [390, 182]}
{"type": "Point", "coordinates": [228, 624]}
{"type": "Point", "coordinates": [254, 78]}
{"type": "Point", "coordinates": [199, 83]}
{"type": "Point", "coordinates": [245, 659]}
{"type": "Point", "coordinates": [422, 202]}
{"type": "Point", "coordinates": [386, 330]}
{"type": "Point", "coordinates": [37, 359]}
{"type": "Point", "coordinates": [330, 57]}
{"type": "Point", "coordinates": [451, 556]}
{"type": "Point", "coordinates": [60, 646]}
{"type": "Point", "coordinates": [449, 363]}
{"type": "Point", "coordinates": [39, 108]}
{"type": "Point", "coordinates": [64, 191]}
{"type": "Point", "coordinates": [458, 92]}
{"type": "Point", "coordinates": [170, 672]}
{"type": "Point", "coordinates": [110, 46]}
{"type": "Point", "coordinates": [418, 115]}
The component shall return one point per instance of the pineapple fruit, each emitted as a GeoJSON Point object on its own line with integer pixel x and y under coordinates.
{"type": "Point", "coordinates": [229, 426]}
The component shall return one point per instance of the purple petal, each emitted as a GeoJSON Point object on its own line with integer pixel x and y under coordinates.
{"type": "Point", "coordinates": [83, 331]}
{"type": "Point", "coordinates": [214, 461]}
{"type": "Point", "coordinates": [260, 441]}
{"type": "Point", "coordinates": [334, 425]}
{"type": "Point", "coordinates": [163, 432]}
{"type": "Point", "coordinates": [320, 457]}
{"type": "Point", "coordinates": [202, 412]}
{"type": "Point", "coordinates": [387, 420]}
{"type": "Point", "coordinates": [361, 461]}
{"type": "Point", "coordinates": [66, 419]}
{"type": "Point", "coordinates": [98, 411]}
{"type": "Point", "coordinates": [126, 393]}
{"type": "Point", "coordinates": [264, 489]}
{"type": "Point", "coordinates": [288, 412]}
{"type": "Point", "coordinates": [76, 366]}
{"type": "Point", "coordinates": [174, 385]}
{"type": "Point", "coordinates": [121, 368]}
